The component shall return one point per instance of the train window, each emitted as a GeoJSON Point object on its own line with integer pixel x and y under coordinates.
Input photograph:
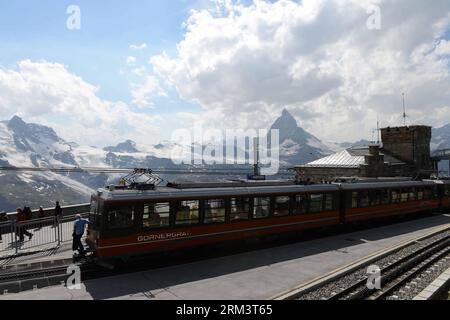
{"type": "Point", "coordinates": [95, 213]}
{"type": "Point", "coordinates": [156, 215]}
{"type": "Point", "coordinates": [240, 209]}
{"type": "Point", "coordinates": [316, 203]}
{"type": "Point", "coordinates": [412, 194]}
{"type": "Point", "coordinates": [187, 212]}
{"type": "Point", "coordinates": [395, 196]}
{"type": "Point", "coordinates": [94, 207]}
{"type": "Point", "coordinates": [329, 202]}
{"type": "Point", "coordinates": [261, 208]}
{"type": "Point", "coordinates": [375, 197]}
{"type": "Point", "coordinates": [301, 204]}
{"type": "Point", "coordinates": [364, 199]}
{"type": "Point", "coordinates": [215, 211]}
{"type": "Point", "coordinates": [385, 196]}
{"type": "Point", "coordinates": [420, 194]}
{"type": "Point", "coordinates": [354, 199]}
{"type": "Point", "coordinates": [434, 193]}
{"type": "Point", "coordinates": [404, 195]}
{"type": "Point", "coordinates": [281, 207]}
{"type": "Point", "coordinates": [121, 217]}
{"type": "Point", "coordinates": [427, 194]}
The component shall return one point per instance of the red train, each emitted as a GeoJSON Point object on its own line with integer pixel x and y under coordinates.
{"type": "Point", "coordinates": [127, 222]}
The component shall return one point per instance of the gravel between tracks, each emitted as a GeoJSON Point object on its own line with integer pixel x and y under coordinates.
{"type": "Point", "coordinates": [336, 286]}
{"type": "Point", "coordinates": [411, 289]}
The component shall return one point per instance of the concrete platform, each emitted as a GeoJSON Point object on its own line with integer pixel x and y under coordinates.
{"type": "Point", "coordinates": [433, 289]}
{"type": "Point", "coordinates": [64, 252]}
{"type": "Point", "coordinates": [256, 275]}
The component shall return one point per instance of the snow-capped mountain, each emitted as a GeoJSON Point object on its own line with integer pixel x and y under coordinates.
{"type": "Point", "coordinates": [296, 145]}
{"type": "Point", "coordinates": [340, 146]}
{"type": "Point", "coordinates": [31, 145]}
{"type": "Point", "coordinates": [441, 138]}
{"type": "Point", "coordinates": [124, 147]}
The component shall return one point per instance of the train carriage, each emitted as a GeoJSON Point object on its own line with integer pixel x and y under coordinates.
{"type": "Point", "coordinates": [444, 194]}
{"type": "Point", "coordinates": [368, 201]}
{"type": "Point", "coordinates": [129, 222]}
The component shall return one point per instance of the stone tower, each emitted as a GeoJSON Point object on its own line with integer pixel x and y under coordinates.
{"type": "Point", "coordinates": [409, 144]}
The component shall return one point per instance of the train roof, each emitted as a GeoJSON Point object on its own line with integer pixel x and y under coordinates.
{"type": "Point", "coordinates": [387, 185]}
{"type": "Point", "coordinates": [231, 183]}
{"type": "Point", "coordinates": [239, 189]}
{"type": "Point", "coordinates": [443, 181]}
{"type": "Point", "coordinates": [194, 193]}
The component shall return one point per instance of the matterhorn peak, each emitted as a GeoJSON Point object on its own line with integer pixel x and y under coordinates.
{"type": "Point", "coordinates": [286, 122]}
{"type": "Point", "coordinates": [16, 122]}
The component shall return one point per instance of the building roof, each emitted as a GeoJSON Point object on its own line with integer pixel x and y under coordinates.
{"type": "Point", "coordinates": [351, 158]}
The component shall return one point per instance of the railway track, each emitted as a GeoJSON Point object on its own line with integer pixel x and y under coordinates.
{"type": "Point", "coordinates": [37, 277]}
{"type": "Point", "coordinates": [397, 268]}
{"type": "Point", "coordinates": [40, 277]}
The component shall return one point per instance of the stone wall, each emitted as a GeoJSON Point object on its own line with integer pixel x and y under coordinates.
{"type": "Point", "coordinates": [318, 175]}
{"type": "Point", "coordinates": [409, 144]}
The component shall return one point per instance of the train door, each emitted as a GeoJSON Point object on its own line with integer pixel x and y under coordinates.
{"type": "Point", "coordinates": [122, 220]}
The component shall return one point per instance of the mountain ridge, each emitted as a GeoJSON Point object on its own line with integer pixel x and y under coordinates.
{"type": "Point", "coordinates": [27, 144]}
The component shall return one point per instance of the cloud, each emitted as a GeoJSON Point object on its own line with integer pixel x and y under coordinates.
{"type": "Point", "coordinates": [142, 93]}
{"type": "Point", "coordinates": [443, 48]}
{"type": "Point", "coordinates": [131, 60]}
{"type": "Point", "coordinates": [49, 93]}
{"type": "Point", "coordinates": [245, 63]}
{"type": "Point", "coordinates": [141, 46]}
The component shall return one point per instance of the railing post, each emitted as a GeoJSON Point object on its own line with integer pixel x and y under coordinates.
{"type": "Point", "coordinates": [11, 225]}
{"type": "Point", "coordinates": [59, 231]}
{"type": "Point", "coordinates": [15, 237]}
{"type": "Point", "coordinates": [55, 226]}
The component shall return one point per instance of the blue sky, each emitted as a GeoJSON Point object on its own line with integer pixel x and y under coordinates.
{"type": "Point", "coordinates": [97, 52]}
{"type": "Point", "coordinates": [236, 68]}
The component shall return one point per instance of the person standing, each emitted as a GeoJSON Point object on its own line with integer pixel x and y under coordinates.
{"type": "Point", "coordinates": [58, 213]}
{"type": "Point", "coordinates": [78, 232]}
{"type": "Point", "coordinates": [21, 230]}
{"type": "Point", "coordinates": [41, 215]}
{"type": "Point", "coordinates": [3, 220]}
{"type": "Point", "coordinates": [28, 213]}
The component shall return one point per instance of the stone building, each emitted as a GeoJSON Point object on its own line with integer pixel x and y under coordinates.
{"type": "Point", "coordinates": [405, 152]}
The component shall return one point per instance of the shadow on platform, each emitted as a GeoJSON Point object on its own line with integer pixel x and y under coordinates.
{"type": "Point", "coordinates": [159, 281]}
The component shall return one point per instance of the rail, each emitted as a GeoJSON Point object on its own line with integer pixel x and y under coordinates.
{"type": "Point", "coordinates": [39, 234]}
{"type": "Point", "coordinates": [50, 212]}
{"type": "Point", "coordinates": [393, 273]}
{"type": "Point", "coordinates": [398, 265]}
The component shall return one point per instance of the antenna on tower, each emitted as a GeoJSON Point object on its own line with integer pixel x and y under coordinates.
{"type": "Point", "coordinates": [257, 169]}
{"type": "Point", "coordinates": [257, 165]}
{"type": "Point", "coordinates": [378, 131]}
{"type": "Point", "coordinates": [404, 110]}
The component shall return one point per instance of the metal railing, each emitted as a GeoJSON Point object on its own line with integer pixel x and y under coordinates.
{"type": "Point", "coordinates": [441, 154]}
{"type": "Point", "coordinates": [50, 212]}
{"type": "Point", "coordinates": [42, 234]}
